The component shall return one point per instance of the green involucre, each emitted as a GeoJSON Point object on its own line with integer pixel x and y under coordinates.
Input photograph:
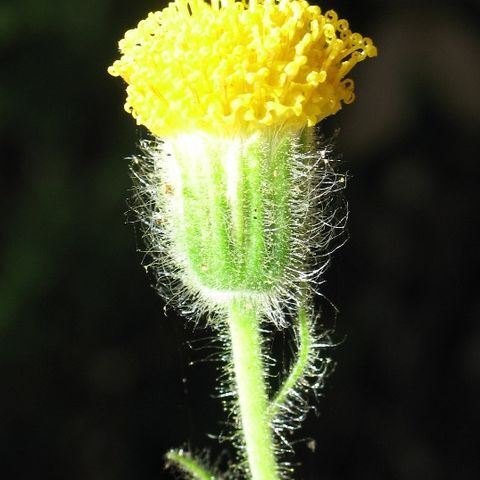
{"type": "Point", "coordinates": [235, 237]}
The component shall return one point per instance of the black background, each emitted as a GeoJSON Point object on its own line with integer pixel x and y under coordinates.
{"type": "Point", "coordinates": [95, 378]}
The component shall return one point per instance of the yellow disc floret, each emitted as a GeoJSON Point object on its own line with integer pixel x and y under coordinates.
{"type": "Point", "coordinates": [233, 68]}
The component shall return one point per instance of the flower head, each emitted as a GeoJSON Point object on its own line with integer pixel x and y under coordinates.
{"type": "Point", "coordinates": [232, 68]}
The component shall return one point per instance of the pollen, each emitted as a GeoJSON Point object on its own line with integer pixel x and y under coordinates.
{"type": "Point", "coordinates": [234, 68]}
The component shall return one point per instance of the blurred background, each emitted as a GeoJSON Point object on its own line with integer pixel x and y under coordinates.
{"type": "Point", "coordinates": [98, 381]}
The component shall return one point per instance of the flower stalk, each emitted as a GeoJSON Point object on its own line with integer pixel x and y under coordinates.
{"type": "Point", "coordinates": [246, 344]}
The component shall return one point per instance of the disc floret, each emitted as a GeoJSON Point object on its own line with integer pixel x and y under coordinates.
{"type": "Point", "coordinates": [231, 68]}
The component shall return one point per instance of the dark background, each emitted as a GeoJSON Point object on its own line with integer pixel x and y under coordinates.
{"type": "Point", "coordinates": [95, 378]}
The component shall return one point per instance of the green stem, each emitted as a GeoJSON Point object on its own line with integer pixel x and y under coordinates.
{"type": "Point", "coordinates": [244, 323]}
{"type": "Point", "coordinates": [185, 462]}
{"type": "Point", "coordinates": [305, 346]}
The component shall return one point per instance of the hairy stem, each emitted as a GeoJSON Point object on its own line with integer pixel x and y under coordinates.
{"type": "Point", "coordinates": [189, 465]}
{"type": "Point", "coordinates": [244, 324]}
{"type": "Point", "coordinates": [300, 367]}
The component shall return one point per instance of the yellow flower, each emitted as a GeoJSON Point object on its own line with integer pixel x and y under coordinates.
{"type": "Point", "coordinates": [233, 68]}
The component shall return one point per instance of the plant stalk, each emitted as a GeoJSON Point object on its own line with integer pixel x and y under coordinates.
{"type": "Point", "coordinates": [244, 324]}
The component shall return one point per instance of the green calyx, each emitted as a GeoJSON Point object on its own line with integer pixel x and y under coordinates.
{"type": "Point", "coordinates": [231, 201]}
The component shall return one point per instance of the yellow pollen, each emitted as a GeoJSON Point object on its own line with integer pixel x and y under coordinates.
{"type": "Point", "coordinates": [234, 68]}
